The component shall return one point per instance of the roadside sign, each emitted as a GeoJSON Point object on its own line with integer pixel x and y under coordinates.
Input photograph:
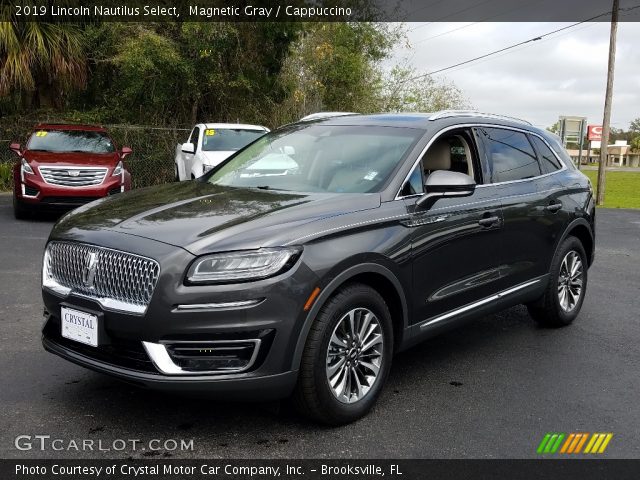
{"type": "Point", "coordinates": [594, 132]}
{"type": "Point", "coordinates": [572, 130]}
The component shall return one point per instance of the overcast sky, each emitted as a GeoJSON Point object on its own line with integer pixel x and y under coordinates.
{"type": "Point", "coordinates": [562, 74]}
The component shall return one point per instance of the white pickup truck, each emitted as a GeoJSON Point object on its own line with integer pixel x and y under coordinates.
{"type": "Point", "coordinates": [211, 143]}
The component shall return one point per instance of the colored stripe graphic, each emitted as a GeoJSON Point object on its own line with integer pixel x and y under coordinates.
{"type": "Point", "coordinates": [598, 443]}
{"type": "Point", "coordinates": [550, 443]}
{"type": "Point", "coordinates": [572, 443]}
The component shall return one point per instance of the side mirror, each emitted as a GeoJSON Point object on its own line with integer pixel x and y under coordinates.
{"type": "Point", "coordinates": [188, 148]}
{"type": "Point", "coordinates": [125, 152]}
{"type": "Point", "coordinates": [17, 148]}
{"type": "Point", "coordinates": [446, 184]}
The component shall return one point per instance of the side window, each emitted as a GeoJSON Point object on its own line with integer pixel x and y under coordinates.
{"type": "Point", "coordinates": [548, 161]}
{"type": "Point", "coordinates": [195, 134]}
{"type": "Point", "coordinates": [415, 183]}
{"type": "Point", "coordinates": [511, 155]}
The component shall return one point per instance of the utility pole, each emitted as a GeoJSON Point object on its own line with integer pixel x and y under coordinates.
{"type": "Point", "coordinates": [607, 106]}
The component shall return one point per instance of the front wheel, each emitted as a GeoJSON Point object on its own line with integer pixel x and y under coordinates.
{"type": "Point", "coordinates": [347, 357]}
{"type": "Point", "coordinates": [20, 212]}
{"type": "Point", "coordinates": [565, 293]}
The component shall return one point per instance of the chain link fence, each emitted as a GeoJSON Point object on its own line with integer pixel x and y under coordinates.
{"type": "Point", "coordinates": [150, 164]}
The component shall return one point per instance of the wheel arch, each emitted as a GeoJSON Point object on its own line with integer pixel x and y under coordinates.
{"type": "Point", "coordinates": [582, 230]}
{"type": "Point", "coordinates": [378, 277]}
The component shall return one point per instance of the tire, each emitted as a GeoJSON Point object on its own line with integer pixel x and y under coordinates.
{"type": "Point", "coordinates": [314, 396]}
{"type": "Point", "coordinates": [561, 303]}
{"type": "Point", "coordinates": [20, 212]}
{"type": "Point", "coordinates": [176, 173]}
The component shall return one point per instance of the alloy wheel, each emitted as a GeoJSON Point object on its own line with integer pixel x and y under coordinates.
{"type": "Point", "coordinates": [570, 281]}
{"type": "Point", "coordinates": [355, 355]}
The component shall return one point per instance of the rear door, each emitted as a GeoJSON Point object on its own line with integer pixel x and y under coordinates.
{"type": "Point", "coordinates": [515, 174]}
{"type": "Point", "coordinates": [456, 246]}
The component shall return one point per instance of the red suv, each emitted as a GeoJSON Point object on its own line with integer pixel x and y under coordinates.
{"type": "Point", "coordinates": [67, 166]}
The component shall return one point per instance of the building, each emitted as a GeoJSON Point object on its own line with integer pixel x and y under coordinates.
{"type": "Point", "coordinates": [619, 155]}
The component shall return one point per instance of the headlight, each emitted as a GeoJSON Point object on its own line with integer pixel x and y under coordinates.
{"type": "Point", "coordinates": [118, 170]}
{"type": "Point", "coordinates": [26, 168]}
{"type": "Point", "coordinates": [242, 266]}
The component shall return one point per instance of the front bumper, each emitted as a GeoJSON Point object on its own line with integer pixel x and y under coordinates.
{"type": "Point", "coordinates": [267, 387]}
{"type": "Point", "coordinates": [274, 324]}
{"type": "Point", "coordinates": [32, 190]}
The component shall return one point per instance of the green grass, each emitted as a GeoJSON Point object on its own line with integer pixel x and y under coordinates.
{"type": "Point", "coordinates": [622, 188]}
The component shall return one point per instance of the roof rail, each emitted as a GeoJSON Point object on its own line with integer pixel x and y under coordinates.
{"type": "Point", "coordinates": [320, 115]}
{"type": "Point", "coordinates": [473, 113]}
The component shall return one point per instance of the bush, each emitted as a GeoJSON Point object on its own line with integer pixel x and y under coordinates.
{"type": "Point", "coordinates": [6, 176]}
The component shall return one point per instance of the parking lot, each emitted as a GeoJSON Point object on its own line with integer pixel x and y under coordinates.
{"type": "Point", "coordinates": [491, 389]}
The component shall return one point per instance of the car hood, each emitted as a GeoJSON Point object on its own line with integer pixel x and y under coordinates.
{"type": "Point", "coordinates": [214, 158]}
{"type": "Point", "coordinates": [201, 217]}
{"type": "Point", "coordinates": [71, 159]}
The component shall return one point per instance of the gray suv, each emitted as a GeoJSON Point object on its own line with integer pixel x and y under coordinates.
{"type": "Point", "coordinates": [301, 264]}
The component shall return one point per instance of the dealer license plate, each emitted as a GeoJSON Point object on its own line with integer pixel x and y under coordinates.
{"type": "Point", "coordinates": [79, 326]}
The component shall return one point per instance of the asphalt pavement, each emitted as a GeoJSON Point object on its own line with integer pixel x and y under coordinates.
{"type": "Point", "coordinates": [490, 389]}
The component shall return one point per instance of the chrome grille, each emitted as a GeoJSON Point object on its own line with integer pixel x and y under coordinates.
{"type": "Point", "coordinates": [118, 280]}
{"type": "Point", "coordinates": [73, 176]}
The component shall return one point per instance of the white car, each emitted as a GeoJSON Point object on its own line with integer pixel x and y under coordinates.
{"type": "Point", "coordinates": [211, 143]}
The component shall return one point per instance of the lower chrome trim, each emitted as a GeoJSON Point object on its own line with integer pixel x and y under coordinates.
{"type": "Point", "coordinates": [479, 303]}
{"type": "Point", "coordinates": [219, 306]}
{"type": "Point", "coordinates": [109, 304]}
{"type": "Point", "coordinates": [162, 360]}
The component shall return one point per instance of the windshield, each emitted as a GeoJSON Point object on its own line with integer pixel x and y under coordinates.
{"type": "Point", "coordinates": [319, 158]}
{"type": "Point", "coordinates": [216, 140]}
{"type": "Point", "coordinates": [70, 141]}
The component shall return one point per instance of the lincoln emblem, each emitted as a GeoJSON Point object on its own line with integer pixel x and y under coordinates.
{"type": "Point", "coordinates": [89, 269]}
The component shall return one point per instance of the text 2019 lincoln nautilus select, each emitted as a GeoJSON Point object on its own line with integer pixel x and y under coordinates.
{"type": "Point", "coordinates": [302, 263]}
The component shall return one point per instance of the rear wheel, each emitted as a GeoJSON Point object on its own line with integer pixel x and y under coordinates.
{"type": "Point", "coordinates": [347, 357]}
{"type": "Point", "coordinates": [565, 293]}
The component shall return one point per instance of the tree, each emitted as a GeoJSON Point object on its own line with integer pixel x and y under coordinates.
{"type": "Point", "coordinates": [41, 61]}
{"type": "Point", "coordinates": [635, 144]}
{"type": "Point", "coordinates": [406, 91]}
{"type": "Point", "coordinates": [635, 126]}
{"type": "Point", "coordinates": [336, 66]}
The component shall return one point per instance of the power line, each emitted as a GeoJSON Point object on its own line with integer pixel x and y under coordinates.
{"type": "Point", "coordinates": [534, 39]}
{"type": "Point", "coordinates": [528, 4]}
{"type": "Point", "coordinates": [471, 7]}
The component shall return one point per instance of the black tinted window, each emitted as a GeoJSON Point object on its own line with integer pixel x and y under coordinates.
{"type": "Point", "coordinates": [194, 137]}
{"type": "Point", "coordinates": [548, 160]}
{"type": "Point", "coordinates": [511, 155]}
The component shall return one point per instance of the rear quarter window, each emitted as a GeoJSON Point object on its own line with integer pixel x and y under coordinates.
{"type": "Point", "coordinates": [548, 161]}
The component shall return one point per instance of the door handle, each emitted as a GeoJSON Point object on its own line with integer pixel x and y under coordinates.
{"type": "Point", "coordinates": [553, 208]}
{"type": "Point", "coordinates": [488, 221]}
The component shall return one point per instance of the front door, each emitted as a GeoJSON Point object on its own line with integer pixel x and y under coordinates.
{"type": "Point", "coordinates": [456, 244]}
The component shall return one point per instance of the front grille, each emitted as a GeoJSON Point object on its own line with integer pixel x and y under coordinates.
{"type": "Point", "coordinates": [69, 200]}
{"type": "Point", "coordinates": [102, 273]}
{"type": "Point", "coordinates": [73, 176]}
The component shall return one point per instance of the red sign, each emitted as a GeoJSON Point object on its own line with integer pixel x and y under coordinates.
{"type": "Point", "coordinates": [594, 132]}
